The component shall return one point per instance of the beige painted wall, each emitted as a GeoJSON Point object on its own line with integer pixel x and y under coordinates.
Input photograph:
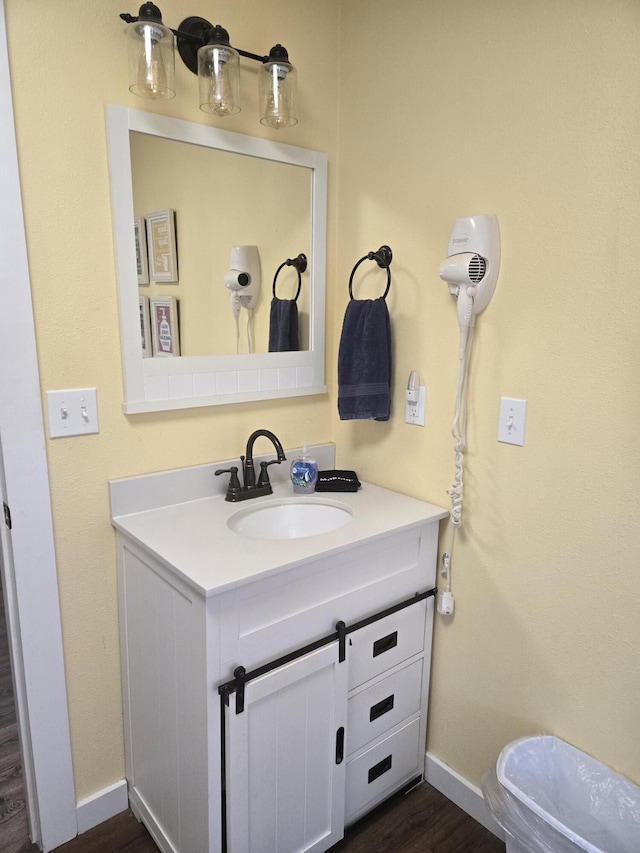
{"type": "Point", "coordinates": [530, 111]}
{"type": "Point", "coordinates": [63, 74]}
{"type": "Point", "coordinates": [448, 107]}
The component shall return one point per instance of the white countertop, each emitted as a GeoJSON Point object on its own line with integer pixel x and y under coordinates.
{"type": "Point", "coordinates": [192, 537]}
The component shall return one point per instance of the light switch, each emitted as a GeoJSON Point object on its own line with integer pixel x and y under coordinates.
{"type": "Point", "coordinates": [72, 412]}
{"type": "Point", "coordinates": [513, 415]}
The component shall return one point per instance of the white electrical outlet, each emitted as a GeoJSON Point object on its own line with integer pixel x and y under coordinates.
{"type": "Point", "coordinates": [72, 412]}
{"type": "Point", "coordinates": [513, 415]}
{"type": "Point", "coordinates": [414, 413]}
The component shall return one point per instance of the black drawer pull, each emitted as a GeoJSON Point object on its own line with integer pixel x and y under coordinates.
{"type": "Point", "coordinates": [340, 745]}
{"type": "Point", "coordinates": [385, 643]}
{"type": "Point", "coordinates": [380, 708]}
{"type": "Point", "coordinates": [379, 768]}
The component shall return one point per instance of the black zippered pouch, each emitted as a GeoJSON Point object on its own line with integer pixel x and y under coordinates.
{"type": "Point", "coordinates": [337, 481]}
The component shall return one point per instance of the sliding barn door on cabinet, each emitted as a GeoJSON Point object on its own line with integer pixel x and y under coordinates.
{"type": "Point", "coordinates": [285, 768]}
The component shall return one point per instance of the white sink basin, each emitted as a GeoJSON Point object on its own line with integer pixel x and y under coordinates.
{"type": "Point", "coordinates": [290, 518]}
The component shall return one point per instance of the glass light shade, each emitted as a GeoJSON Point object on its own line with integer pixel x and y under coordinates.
{"type": "Point", "coordinates": [278, 87]}
{"type": "Point", "coordinates": [219, 79]}
{"type": "Point", "coordinates": [151, 60]}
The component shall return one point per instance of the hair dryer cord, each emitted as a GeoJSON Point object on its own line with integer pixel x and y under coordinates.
{"type": "Point", "coordinates": [459, 428]}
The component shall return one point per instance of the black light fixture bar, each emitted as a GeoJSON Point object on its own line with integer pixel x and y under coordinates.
{"type": "Point", "coordinates": [197, 28]}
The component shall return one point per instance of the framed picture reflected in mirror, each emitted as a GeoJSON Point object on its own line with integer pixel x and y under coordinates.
{"type": "Point", "coordinates": [165, 333]}
{"type": "Point", "coordinates": [161, 238]}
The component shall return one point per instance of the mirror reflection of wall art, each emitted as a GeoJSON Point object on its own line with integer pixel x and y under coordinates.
{"type": "Point", "coordinates": [165, 334]}
{"type": "Point", "coordinates": [145, 326]}
{"type": "Point", "coordinates": [161, 236]}
{"type": "Point", "coordinates": [142, 263]}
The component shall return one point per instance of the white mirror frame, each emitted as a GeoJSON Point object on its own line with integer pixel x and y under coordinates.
{"type": "Point", "coordinates": [158, 384]}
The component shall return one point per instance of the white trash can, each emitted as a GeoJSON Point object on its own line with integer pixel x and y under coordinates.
{"type": "Point", "coordinates": [550, 797]}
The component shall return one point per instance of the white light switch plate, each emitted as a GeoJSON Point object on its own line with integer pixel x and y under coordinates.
{"type": "Point", "coordinates": [72, 412]}
{"type": "Point", "coordinates": [414, 413]}
{"type": "Point", "coordinates": [513, 416]}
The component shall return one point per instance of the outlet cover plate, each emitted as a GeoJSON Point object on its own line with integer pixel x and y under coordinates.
{"type": "Point", "coordinates": [414, 413]}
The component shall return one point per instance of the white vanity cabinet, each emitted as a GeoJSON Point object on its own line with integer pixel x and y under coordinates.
{"type": "Point", "coordinates": [330, 716]}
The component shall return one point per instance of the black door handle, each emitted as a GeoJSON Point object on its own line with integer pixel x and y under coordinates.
{"type": "Point", "coordinates": [340, 745]}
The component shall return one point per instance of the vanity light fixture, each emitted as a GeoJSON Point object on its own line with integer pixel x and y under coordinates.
{"type": "Point", "coordinates": [206, 51]}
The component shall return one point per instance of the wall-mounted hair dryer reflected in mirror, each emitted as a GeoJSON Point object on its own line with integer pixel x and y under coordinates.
{"type": "Point", "coordinates": [243, 280]}
{"type": "Point", "coordinates": [472, 265]}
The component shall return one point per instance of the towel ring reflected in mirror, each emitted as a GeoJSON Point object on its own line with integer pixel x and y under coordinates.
{"type": "Point", "coordinates": [299, 264]}
{"type": "Point", "coordinates": [383, 258]}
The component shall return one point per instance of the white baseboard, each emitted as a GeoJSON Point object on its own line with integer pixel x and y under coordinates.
{"type": "Point", "coordinates": [112, 800]}
{"type": "Point", "coordinates": [101, 806]}
{"type": "Point", "coordinates": [460, 791]}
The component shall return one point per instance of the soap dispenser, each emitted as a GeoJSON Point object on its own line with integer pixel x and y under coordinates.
{"type": "Point", "coordinates": [304, 473]}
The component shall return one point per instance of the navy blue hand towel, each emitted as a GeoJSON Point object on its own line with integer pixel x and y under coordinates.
{"type": "Point", "coordinates": [283, 326]}
{"type": "Point", "coordinates": [364, 361]}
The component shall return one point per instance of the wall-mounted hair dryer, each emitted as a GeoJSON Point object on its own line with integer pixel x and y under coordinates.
{"type": "Point", "coordinates": [243, 281]}
{"type": "Point", "coordinates": [471, 268]}
{"type": "Point", "coordinates": [471, 271]}
{"type": "Point", "coordinates": [244, 278]}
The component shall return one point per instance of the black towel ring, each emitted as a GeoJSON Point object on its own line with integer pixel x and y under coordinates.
{"type": "Point", "coordinates": [383, 258]}
{"type": "Point", "coordinates": [300, 264]}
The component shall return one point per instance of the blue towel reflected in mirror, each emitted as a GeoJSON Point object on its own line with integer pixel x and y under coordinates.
{"type": "Point", "coordinates": [283, 326]}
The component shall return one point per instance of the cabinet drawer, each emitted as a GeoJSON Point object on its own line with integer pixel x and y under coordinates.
{"type": "Point", "coordinates": [384, 767]}
{"type": "Point", "coordinates": [385, 643]}
{"type": "Point", "coordinates": [381, 707]}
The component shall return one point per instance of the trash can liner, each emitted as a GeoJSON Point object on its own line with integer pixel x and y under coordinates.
{"type": "Point", "coordinates": [553, 798]}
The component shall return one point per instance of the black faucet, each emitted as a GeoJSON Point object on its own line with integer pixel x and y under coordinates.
{"type": "Point", "coordinates": [251, 489]}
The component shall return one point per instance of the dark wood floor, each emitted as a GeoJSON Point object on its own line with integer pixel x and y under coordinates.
{"type": "Point", "coordinates": [422, 821]}
{"type": "Point", "coordinates": [14, 831]}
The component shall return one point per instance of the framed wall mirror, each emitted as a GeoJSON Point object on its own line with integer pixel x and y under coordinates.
{"type": "Point", "coordinates": [183, 196]}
